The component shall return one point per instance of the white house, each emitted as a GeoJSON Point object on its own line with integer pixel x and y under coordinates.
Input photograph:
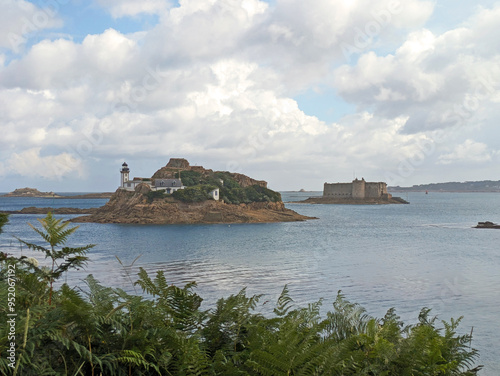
{"type": "Point", "coordinates": [168, 185]}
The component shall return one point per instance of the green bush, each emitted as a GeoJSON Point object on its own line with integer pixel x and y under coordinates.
{"type": "Point", "coordinates": [190, 178]}
{"type": "Point", "coordinates": [197, 193]}
{"type": "Point", "coordinates": [254, 193]}
{"type": "Point", "coordinates": [152, 195]}
{"type": "Point", "coordinates": [230, 190]}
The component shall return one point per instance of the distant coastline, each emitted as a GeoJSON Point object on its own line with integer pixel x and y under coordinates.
{"type": "Point", "coordinates": [35, 193]}
{"type": "Point", "coordinates": [468, 186]}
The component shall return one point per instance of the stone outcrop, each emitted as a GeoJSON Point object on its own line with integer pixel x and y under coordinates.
{"type": "Point", "coordinates": [30, 192]}
{"type": "Point", "coordinates": [487, 224]}
{"type": "Point", "coordinates": [245, 181]}
{"type": "Point", "coordinates": [135, 207]}
{"type": "Point", "coordinates": [143, 188]}
{"type": "Point", "coordinates": [353, 201]}
{"type": "Point", "coordinates": [35, 210]}
{"type": "Point", "coordinates": [180, 164]}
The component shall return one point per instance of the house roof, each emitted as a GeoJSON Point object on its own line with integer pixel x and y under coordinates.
{"type": "Point", "coordinates": [168, 183]}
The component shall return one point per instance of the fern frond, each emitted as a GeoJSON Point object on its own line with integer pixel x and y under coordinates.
{"type": "Point", "coordinates": [284, 302]}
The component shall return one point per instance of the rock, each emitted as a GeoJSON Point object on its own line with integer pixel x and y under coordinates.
{"type": "Point", "coordinates": [133, 207]}
{"type": "Point", "coordinates": [30, 192]}
{"type": "Point", "coordinates": [143, 188]}
{"type": "Point", "coordinates": [178, 163]}
{"type": "Point", "coordinates": [134, 210]}
{"type": "Point", "coordinates": [487, 224]}
{"type": "Point", "coordinates": [175, 164]}
{"type": "Point", "coordinates": [245, 181]}
{"type": "Point", "coordinates": [35, 210]}
{"type": "Point", "coordinates": [352, 201]}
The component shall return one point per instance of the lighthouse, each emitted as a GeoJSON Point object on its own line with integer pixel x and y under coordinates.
{"type": "Point", "coordinates": [125, 174]}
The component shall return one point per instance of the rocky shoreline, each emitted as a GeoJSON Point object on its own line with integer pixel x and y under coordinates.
{"type": "Point", "coordinates": [35, 210]}
{"type": "Point", "coordinates": [352, 201]}
{"type": "Point", "coordinates": [134, 208]}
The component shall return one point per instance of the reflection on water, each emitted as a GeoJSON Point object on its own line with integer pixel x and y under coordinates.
{"type": "Point", "coordinates": [425, 254]}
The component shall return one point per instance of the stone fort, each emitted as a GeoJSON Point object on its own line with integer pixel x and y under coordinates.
{"type": "Point", "coordinates": [358, 189]}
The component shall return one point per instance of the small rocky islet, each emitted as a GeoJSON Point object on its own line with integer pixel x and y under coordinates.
{"type": "Point", "coordinates": [179, 193]}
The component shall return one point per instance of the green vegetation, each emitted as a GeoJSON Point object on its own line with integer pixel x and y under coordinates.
{"type": "Point", "coordinates": [230, 190]}
{"type": "Point", "coordinates": [196, 193]}
{"type": "Point", "coordinates": [56, 232]}
{"type": "Point", "coordinates": [151, 195]}
{"type": "Point", "coordinates": [105, 331]}
{"type": "Point", "coordinates": [4, 218]}
{"type": "Point", "coordinates": [190, 178]}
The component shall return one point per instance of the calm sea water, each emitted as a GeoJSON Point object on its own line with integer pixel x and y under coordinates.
{"type": "Point", "coordinates": [405, 256]}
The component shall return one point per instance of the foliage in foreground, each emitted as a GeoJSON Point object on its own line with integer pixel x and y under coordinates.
{"type": "Point", "coordinates": [102, 330]}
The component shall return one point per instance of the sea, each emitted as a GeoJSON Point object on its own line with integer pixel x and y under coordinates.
{"type": "Point", "coordinates": [425, 254]}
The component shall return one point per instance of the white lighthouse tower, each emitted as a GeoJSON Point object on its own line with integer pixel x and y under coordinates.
{"type": "Point", "coordinates": [125, 174]}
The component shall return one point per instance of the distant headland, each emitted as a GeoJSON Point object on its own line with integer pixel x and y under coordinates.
{"type": "Point", "coordinates": [35, 193]}
{"type": "Point", "coordinates": [358, 192]}
{"type": "Point", "coordinates": [179, 193]}
{"type": "Point", "coordinates": [30, 192]}
{"type": "Point", "coordinates": [468, 186]}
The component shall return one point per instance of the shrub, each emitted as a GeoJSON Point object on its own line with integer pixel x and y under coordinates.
{"type": "Point", "coordinates": [197, 193]}
{"type": "Point", "coordinates": [190, 178]}
{"type": "Point", "coordinates": [152, 195]}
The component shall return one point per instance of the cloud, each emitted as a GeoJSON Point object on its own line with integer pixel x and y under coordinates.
{"type": "Point", "coordinates": [30, 163]}
{"type": "Point", "coordinates": [20, 18]}
{"type": "Point", "coordinates": [123, 8]}
{"type": "Point", "coordinates": [438, 81]}
{"type": "Point", "coordinates": [468, 152]}
{"type": "Point", "coordinates": [215, 81]}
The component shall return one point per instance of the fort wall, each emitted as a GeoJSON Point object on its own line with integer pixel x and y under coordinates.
{"type": "Point", "coordinates": [358, 189]}
{"type": "Point", "coordinates": [338, 190]}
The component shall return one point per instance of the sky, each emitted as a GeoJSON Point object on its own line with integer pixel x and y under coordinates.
{"type": "Point", "coordinates": [294, 92]}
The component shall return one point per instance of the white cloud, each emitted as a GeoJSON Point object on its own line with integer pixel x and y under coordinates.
{"type": "Point", "coordinates": [438, 81]}
{"type": "Point", "coordinates": [215, 79]}
{"type": "Point", "coordinates": [30, 163]}
{"type": "Point", "coordinates": [122, 8]}
{"type": "Point", "coordinates": [19, 18]}
{"type": "Point", "coordinates": [468, 152]}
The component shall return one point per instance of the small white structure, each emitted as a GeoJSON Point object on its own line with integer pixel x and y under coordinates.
{"type": "Point", "coordinates": [215, 194]}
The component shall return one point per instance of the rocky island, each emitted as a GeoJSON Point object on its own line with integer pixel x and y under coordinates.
{"type": "Point", "coordinates": [487, 224]}
{"type": "Point", "coordinates": [35, 193]}
{"type": "Point", "coordinates": [183, 194]}
{"type": "Point", "coordinates": [30, 192]}
{"type": "Point", "coordinates": [359, 192]}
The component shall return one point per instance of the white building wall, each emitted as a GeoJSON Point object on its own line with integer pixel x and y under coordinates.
{"type": "Point", "coordinates": [215, 194]}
